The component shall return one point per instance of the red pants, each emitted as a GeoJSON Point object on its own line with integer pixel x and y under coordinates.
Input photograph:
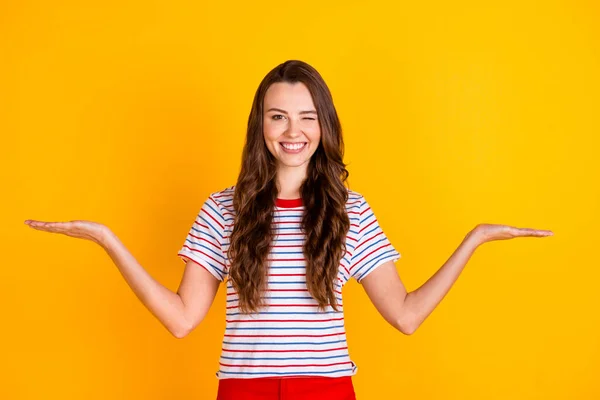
{"type": "Point", "coordinates": [287, 388]}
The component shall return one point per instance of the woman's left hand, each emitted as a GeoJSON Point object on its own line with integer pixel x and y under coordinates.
{"type": "Point", "coordinates": [489, 232]}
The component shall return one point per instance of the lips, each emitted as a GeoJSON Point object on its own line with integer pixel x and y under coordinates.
{"type": "Point", "coordinates": [293, 147]}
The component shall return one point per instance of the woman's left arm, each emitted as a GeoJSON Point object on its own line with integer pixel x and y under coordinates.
{"type": "Point", "coordinates": [407, 311]}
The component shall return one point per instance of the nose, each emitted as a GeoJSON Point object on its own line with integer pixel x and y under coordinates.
{"type": "Point", "coordinates": [294, 128]}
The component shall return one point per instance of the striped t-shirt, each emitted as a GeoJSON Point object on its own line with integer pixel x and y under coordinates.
{"type": "Point", "coordinates": [289, 337]}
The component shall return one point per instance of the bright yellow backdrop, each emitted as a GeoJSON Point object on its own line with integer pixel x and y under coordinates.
{"type": "Point", "coordinates": [131, 113]}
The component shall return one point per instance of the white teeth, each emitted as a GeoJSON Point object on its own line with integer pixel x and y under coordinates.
{"type": "Point", "coordinates": [293, 146]}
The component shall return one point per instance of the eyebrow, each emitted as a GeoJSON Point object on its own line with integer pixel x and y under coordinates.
{"type": "Point", "coordinates": [285, 112]}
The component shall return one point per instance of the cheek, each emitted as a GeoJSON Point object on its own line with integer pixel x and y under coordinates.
{"type": "Point", "coordinates": [270, 135]}
{"type": "Point", "coordinates": [315, 135]}
{"type": "Point", "coordinates": [270, 132]}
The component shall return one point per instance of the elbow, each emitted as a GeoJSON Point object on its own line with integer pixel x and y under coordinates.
{"type": "Point", "coordinates": [409, 330]}
{"type": "Point", "coordinates": [180, 334]}
{"type": "Point", "coordinates": [407, 325]}
{"type": "Point", "coordinates": [181, 331]}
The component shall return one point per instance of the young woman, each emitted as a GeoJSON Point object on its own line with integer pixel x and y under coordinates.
{"type": "Point", "coordinates": [286, 238]}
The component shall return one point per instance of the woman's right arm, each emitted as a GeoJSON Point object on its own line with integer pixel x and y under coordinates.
{"type": "Point", "coordinates": [179, 312]}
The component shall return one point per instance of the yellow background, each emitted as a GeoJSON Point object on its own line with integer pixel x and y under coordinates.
{"type": "Point", "coordinates": [454, 113]}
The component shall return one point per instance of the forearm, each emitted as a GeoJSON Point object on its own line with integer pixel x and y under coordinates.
{"type": "Point", "coordinates": [164, 304]}
{"type": "Point", "coordinates": [421, 302]}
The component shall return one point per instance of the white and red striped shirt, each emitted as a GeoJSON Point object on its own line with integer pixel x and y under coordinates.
{"type": "Point", "coordinates": [289, 337]}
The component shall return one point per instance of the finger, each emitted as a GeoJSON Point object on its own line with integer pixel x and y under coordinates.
{"type": "Point", "coordinates": [535, 232]}
{"type": "Point", "coordinates": [41, 225]}
{"type": "Point", "coordinates": [58, 227]}
{"type": "Point", "coordinates": [545, 233]}
{"type": "Point", "coordinates": [34, 224]}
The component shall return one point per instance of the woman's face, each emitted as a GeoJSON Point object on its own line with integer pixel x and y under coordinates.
{"type": "Point", "coordinates": [290, 125]}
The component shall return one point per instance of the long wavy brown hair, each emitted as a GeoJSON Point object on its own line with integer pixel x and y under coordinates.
{"type": "Point", "coordinates": [325, 221]}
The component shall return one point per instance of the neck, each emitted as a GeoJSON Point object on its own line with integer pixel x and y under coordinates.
{"type": "Point", "coordinates": [289, 180]}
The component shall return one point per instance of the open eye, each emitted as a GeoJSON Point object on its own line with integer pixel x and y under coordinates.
{"type": "Point", "coordinates": [276, 115]}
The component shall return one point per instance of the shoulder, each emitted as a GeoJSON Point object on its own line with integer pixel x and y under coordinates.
{"type": "Point", "coordinates": [223, 196]}
{"type": "Point", "coordinates": [355, 199]}
{"type": "Point", "coordinates": [221, 200]}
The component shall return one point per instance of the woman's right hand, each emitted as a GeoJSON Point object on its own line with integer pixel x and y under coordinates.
{"type": "Point", "coordinates": [89, 230]}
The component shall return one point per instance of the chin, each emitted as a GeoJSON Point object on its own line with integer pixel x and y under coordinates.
{"type": "Point", "coordinates": [292, 164]}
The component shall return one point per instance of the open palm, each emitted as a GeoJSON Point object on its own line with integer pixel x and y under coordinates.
{"type": "Point", "coordinates": [490, 232]}
{"type": "Point", "coordinates": [78, 229]}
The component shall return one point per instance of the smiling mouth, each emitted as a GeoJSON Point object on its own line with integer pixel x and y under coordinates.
{"type": "Point", "coordinates": [293, 147]}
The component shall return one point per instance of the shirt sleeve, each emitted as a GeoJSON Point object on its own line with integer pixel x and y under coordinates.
{"type": "Point", "coordinates": [373, 248]}
{"type": "Point", "coordinates": [204, 242]}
